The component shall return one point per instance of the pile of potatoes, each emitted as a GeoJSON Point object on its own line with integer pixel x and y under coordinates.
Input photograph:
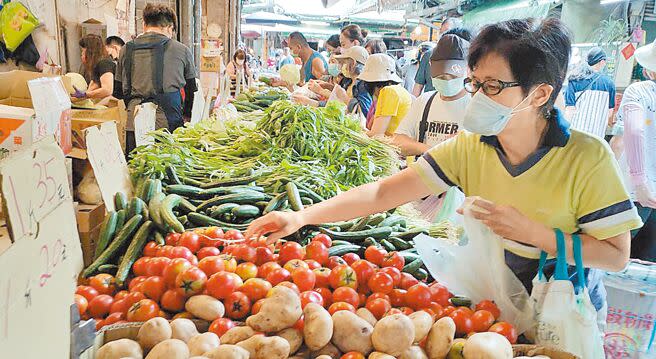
{"type": "Point", "coordinates": [269, 334]}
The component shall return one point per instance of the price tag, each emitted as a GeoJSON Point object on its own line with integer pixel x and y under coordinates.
{"type": "Point", "coordinates": [34, 183]}
{"type": "Point", "coordinates": [144, 122]}
{"type": "Point", "coordinates": [108, 162]}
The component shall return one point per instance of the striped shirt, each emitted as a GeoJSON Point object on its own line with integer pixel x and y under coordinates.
{"type": "Point", "coordinates": [594, 103]}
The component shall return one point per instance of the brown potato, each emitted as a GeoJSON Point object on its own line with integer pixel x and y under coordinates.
{"type": "Point", "coordinates": [318, 327]}
{"type": "Point", "coordinates": [237, 334]}
{"type": "Point", "coordinates": [261, 347]}
{"type": "Point", "coordinates": [440, 338]}
{"type": "Point", "coordinates": [352, 333]}
{"type": "Point", "coordinates": [294, 337]}
{"type": "Point", "coordinates": [393, 334]}
{"type": "Point", "coordinates": [279, 311]}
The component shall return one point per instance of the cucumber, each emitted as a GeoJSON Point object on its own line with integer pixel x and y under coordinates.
{"type": "Point", "coordinates": [369, 241]}
{"type": "Point", "coordinates": [159, 238]}
{"type": "Point", "coordinates": [307, 201]}
{"type": "Point", "coordinates": [412, 233]}
{"type": "Point", "coordinates": [399, 243]}
{"type": "Point", "coordinates": [413, 266]}
{"type": "Point", "coordinates": [154, 210]}
{"type": "Point", "coordinates": [341, 250]}
{"type": "Point", "coordinates": [138, 189]}
{"type": "Point", "coordinates": [275, 203]}
{"type": "Point", "coordinates": [387, 245]}
{"type": "Point", "coordinates": [122, 217]}
{"type": "Point", "coordinates": [191, 182]}
{"type": "Point", "coordinates": [157, 185]}
{"type": "Point", "coordinates": [112, 250]}
{"type": "Point", "coordinates": [360, 224]}
{"type": "Point", "coordinates": [392, 221]}
{"type": "Point", "coordinates": [409, 257]}
{"type": "Point", "coordinates": [185, 206]}
{"type": "Point", "coordinates": [148, 190]}
{"type": "Point", "coordinates": [183, 220]}
{"type": "Point", "coordinates": [420, 274]}
{"type": "Point", "coordinates": [230, 182]}
{"type": "Point", "coordinates": [205, 221]}
{"type": "Point", "coordinates": [345, 225]}
{"type": "Point", "coordinates": [166, 211]}
{"type": "Point", "coordinates": [239, 198]}
{"type": "Point", "coordinates": [261, 204]}
{"type": "Point", "coordinates": [172, 175]}
{"type": "Point", "coordinates": [120, 201]}
{"type": "Point", "coordinates": [376, 233]}
{"type": "Point", "coordinates": [337, 243]}
{"type": "Point", "coordinates": [107, 231]}
{"type": "Point", "coordinates": [294, 196]}
{"type": "Point", "coordinates": [221, 191]}
{"type": "Point", "coordinates": [246, 211]}
{"type": "Point", "coordinates": [183, 190]}
{"type": "Point", "coordinates": [133, 252]}
{"type": "Point", "coordinates": [222, 209]}
{"type": "Point", "coordinates": [376, 219]}
{"type": "Point", "coordinates": [309, 193]}
{"type": "Point", "coordinates": [108, 268]}
{"type": "Point", "coordinates": [461, 301]}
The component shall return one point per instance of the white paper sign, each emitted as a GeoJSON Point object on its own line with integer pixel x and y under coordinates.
{"type": "Point", "coordinates": [50, 102]}
{"type": "Point", "coordinates": [144, 122]}
{"type": "Point", "coordinates": [108, 162]}
{"type": "Point", "coordinates": [198, 107]}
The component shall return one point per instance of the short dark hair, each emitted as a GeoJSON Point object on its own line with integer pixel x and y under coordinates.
{"type": "Point", "coordinates": [537, 52]}
{"type": "Point", "coordinates": [461, 32]}
{"type": "Point", "coordinates": [298, 37]}
{"type": "Point", "coordinates": [114, 40]}
{"type": "Point", "coordinates": [377, 46]}
{"type": "Point", "coordinates": [372, 86]}
{"type": "Point", "coordinates": [159, 15]}
{"type": "Point", "coordinates": [333, 41]}
{"type": "Point", "coordinates": [355, 32]}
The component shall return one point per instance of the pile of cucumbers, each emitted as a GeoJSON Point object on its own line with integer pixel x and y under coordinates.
{"type": "Point", "coordinates": [252, 101]}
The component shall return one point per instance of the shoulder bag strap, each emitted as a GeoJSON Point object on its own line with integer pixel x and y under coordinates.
{"type": "Point", "coordinates": [423, 125]}
{"type": "Point", "coordinates": [578, 259]}
{"type": "Point", "coordinates": [561, 257]}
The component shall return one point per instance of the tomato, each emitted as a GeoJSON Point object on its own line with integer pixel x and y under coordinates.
{"type": "Point", "coordinates": [132, 298]}
{"type": "Point", "coordinates": [172, 239]}
{"type": "Point", "coordinates": [397, 297]}
{"type": "Point", "coordinates": [153, 288]}
{"type": "Point", "coordinates": [407, 281]}
{"type": "Point", "coordinates": [406, 310]}
{"type": "Point", "coordinates": [381, 282]}
{"type": "Point", "coordinates": [278, 275]}
{"type": "Point", "coordinates": [394, 259]}
{"type": "Point", "coordinates": [150, 249]}
{"type": "Point", "coordinates": [466, 309]}
{"type": "Point", "coordinates": [114, 318]}
{"type": "Point", "coordinates": [289, 285]}
{"type": "Point", "coordinates": [213, 233]}
{"type": "Point", "coordinates": [312, 264]}
{"type": "Point", "coordinates": [82, 303]}
{"type": "Point", "coordinates": [139, 267]}
{"type": "Point", "coordinates": [143, 310]}
{"type": "Point", "coordinates": [300, 324]}
{"type": "Point", "coordinates": [267, 268]}
{"type": "Point", "coordinates": [378, 307]}
{"type": "Point", "coordinates": [100, 305]}
{"type": "Point", "coordinates": [375, 255]}
{"type": "Point", "coordinates": [221, 284]}
{"type": "Point", "coordinates": [173, 300]}
{"type": "Point", "coordinates": [463, 321]}
{"type": "Point", "coordinates": [335, 261]}
{"type": "Point", "coordinates": [394, 273]}
{"type": "Point", "coordinates": [156, 265]}
{"type": "Point", "coordinates": [363, 299]}
{"type": "Point", "coordinates": [192, 281]}
{"type": "Point", "coordinates": [255, 288]}
{"type": "Point", "coordinates": [490, 306]}
{"type": "Point", "coordinates": [505, 329]}
{"type": "Point", "coordinates": [233, 235]}
{"type": "Point", "coordinates": [311, 297]}
{"type": "Point", "coordinates": [244, 252]}
{"type": "Point", "coordinates": [237, 305]}
{"type": "Point", "coordinates": [348, 295]}
{"type": "Point", "coordinates": [436, 309]}
{"type": "Point", "coordinates": [103, 283]}
{"type": "Point", "coordinates": [207, 252]}
{"type": "Point", "coordinates": [383, 296]}
{"type": "Point", "coordinates": [349, 258]}
{"type": "Point", "coordinates": [322, 276]}
{"type": "Point", "coordinates": [175, 267]}
{"type": "Point", "coordinates": [394, 311]}
{"type": "Point", "coordinates": [194, 261]}
{"type": "Point", "coordinates": [418, 296]}
{"type": "Point", "coordinates": [289, 251]}
{"type": "Point", "coordinates": [304, 278]}
{"type": "Point", "coordinates": [317, 251]}
{"type": "Point", "coordinates": [165, 251]}
{"type": "Point", "coordinates": [119, 306]}
{"type": "Point", "coordinates": [210, 265]}
{"type": "Point", "coordinates": [327, 296]}
{"type": "Point", "coordinates": [352, 355]}
{"type": "Point", "coordinates": [263, 255]}
{"type": "Point", "coordinates": [229, 262]}
{"type": "Point", "coordinates": [440, 294]}
{"type": "Point", "coordinates": [136, 283]}
{"type": "Point", "coordinates": [324, 239]}
{"type": "Point", "coordinates": [190, 240]}
{"type": "Point", "coordinates": [246, 270]}
{"type": "Point", "coordinates": [293, 264]}
{"type": "Point", "coordinates": [363, 269]}
{"type": "Point", "coordinates": [86, 291]}
{"type": "Point", "coordinates": [221, 325]}
{"type": "Point", "coordinates": [337, 306]}
{"type": "Point", "coordinates": [255, 308]}
{"type": "Point", "coordinates": [343, 276]}
{"type": "Point", "coordinates": [121, 295]}
{"type": "Point", "coordinates": [482, 320]}
{"type": "Point", "coordinates": [182, 252]}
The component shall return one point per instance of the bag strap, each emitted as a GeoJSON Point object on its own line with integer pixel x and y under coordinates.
{"type": "Point", "coordinates": [561, 257]}
{"type": "Point", "coordinates": [589, 86]}
{"type": "Point", "coordinates": [423, 125]}
{"type": "Point", "coordinates": [578, 259]}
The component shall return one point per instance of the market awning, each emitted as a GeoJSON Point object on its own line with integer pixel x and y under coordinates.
{"type": "Point", "coordinates": [327, 31]}
{"type": "Point", "coordinates": [269, 18]}
{"type": "Point", "coordinates": [506, 10]}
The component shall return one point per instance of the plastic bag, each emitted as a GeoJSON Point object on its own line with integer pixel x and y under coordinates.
{"type": "Point", "coordinates": [462, 270]}
{"type": "Point", "coordinates": [16, 24]}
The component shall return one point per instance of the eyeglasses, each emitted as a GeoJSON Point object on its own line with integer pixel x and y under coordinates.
{"type": "Point", "coordinates": [490, 87]}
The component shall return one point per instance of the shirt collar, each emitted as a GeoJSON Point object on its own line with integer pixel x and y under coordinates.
{"type": "Point", "coordinates": [557, 133]}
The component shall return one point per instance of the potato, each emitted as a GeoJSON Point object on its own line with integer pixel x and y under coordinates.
{"type": "Point", "coordinates": [261, 347]}
{"type": "Point", "coordinates": [227, 351]}
{"type": "Point", "coordinates": [154, 331]}
{"type": "Point", "coordinates": [379, 355]}
{"type": "Point", "coordinates": [329, 350]}
{"type": "Point", "coordinates": [365, 314]}
{"type": "Point", "coordinates": [294, 337]}
{"type": "Point", "coordinates": [487, 346]}
{"type": "Point", "coordinates": [169, 349]}
{"type": "Point", "coordinates": [393, 334]}
{"type": "Point", "coordinates": [202, 343]}
{"type": "Point", "coordinates": [279, 311]}
{"type": "Point", "coordinates": [236, 335]}
{"type": "Point", "coordinates": [414, 352]}
{"type": "Point", "coordinates": [205, 307]}
{"type": "Point", "coordinates": [324, 357]}
{"type": "Point", "coordinates": [118, 349]}
{"type": "Point", "coordinates": [422, 322]}
{"type": "Point", "coordinates": [440, 338]}
{"type": "Point", "coordinates": [352, 333]}
{"type": "Point", "coordinates": [318, 327]}
{"type": "Point", "coordinates": [183, 329]}
{"type": "Point", "coordinates": [198, 357]}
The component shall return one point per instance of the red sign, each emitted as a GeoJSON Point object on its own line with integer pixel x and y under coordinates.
{"type": "Point", "coordinates": [628, 51]}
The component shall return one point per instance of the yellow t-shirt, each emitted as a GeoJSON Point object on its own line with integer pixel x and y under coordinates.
{"type": "Point", "coordinates": [394, 101]}
{"type": "Point", "coordinates": [572, 183]}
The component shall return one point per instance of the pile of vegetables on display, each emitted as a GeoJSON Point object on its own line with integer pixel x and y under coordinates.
{"type": "Point", "coordinates": [259, 98]}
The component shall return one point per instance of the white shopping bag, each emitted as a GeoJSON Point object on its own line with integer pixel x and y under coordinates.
{"type": "Point", "coordinates": [477, 269]}
{"type": "Point", "coordinates": [144, 122]}
{"type": "Point", "coordinates": [566, 318]}
{"type": "Point", "coordinates": [198, 106]}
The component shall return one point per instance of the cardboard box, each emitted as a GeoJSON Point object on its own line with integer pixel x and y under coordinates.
{"type": "Point", "coordinates": [88, 242]}
{"type": "Point", "coordinates": [14, 90]}
{"type": "Point", "coordinates": [89, 216]}
{"type": "Point", "coordinates": [82, 119]}
{"type": "Point", "coordinates": [94, 27]}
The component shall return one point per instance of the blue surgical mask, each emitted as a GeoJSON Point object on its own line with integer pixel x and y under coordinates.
{"type": "Point", "coordinates": [333, 69]}
{"type": "Point", "coordinates": [487, 117]}
{"type": "Point", "coordinates": [448, 88]}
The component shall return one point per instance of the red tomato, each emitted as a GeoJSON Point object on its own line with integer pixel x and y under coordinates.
{"type": "Point", "coordinates": [263, 255]}
{"type": "Point", "coordinates": [140, 266]}
{"type": "Point", "coordinates": [119, 306]}
{"type": "Point", "coordinates": [175, 267]}
{"type": "Point", "coordinates": [394, 311]}
{"type": "Point", "coordinates": [352, 355]}
{"type": "Point", "coordinates": [221, 284]}
{"type": "Point", "coordinates": [103, 283]}
{"type": "Point", "coordinates": [348, 295]}
{"type": "Point", "coordinates": [394, 259]}
{"type": "Point", "coordinates": [255, 288]}
{"type": "Point", "coordinates": [132, 298]}
{"type": "Point", "coordinates": [311, 297]}
{"type": "Point", "coordinates": [375, 255]}
{"type": "Point", "coordinates": [291, 286]}
{"type": "Point", "coordinates": [466, 309]}
{"type": "Point", "coordinates": [173, 300]}
{"type": "Point", "coordinates": [490, 306]}
{"type": "Point", "coordinates": [378, 307]}
{"type": "Point", "coordinates": [100, 305]}
{"type": "Point", "coordinates": [418, 296]}
{"type": "Point", "coordinates": [312, 264]}
{"type": "Point", "coordinates": [267, 268]}
{"type": "Point", "coordinates": [165, 251]}
{"type": "Point", "coordinates": [233, 235]}
{"type": "Point", "coordinates": [482, 320]}
{"type": "Point", "coordinates": [143, 310]}
{"type": "Point", "coordinates": [323, 277]}
{"type": "Point", "coordinates": [278, 275]}
{"type": "Point", "coordinates": [505, 329]}
{"type": "Point", "coordinates": [114, 318]}
{"type": "Point", "coordinates": [335, 261]}
{"type": "Point", "coordinates": [381, 282]}
{"type": "Point", "coordinates": [289, 251]}
{"type": "Point", "coordinates": [229, 262]}
{"type": "Point", "coordinates": [156, 266]}
{"type": "Point", "coordinates": [436, 309]}
{"type": "Point", "coordinates": [363, 299]}
{"type": "Point", "coordinates": [300, 324]}
{"type": "Point", "coordinates": [349, 258]}
{"type": "Point", "coordinates": [407, 280]}
{"type": "Point", "coordinates": [121, 295]}
{"type": "Point", "coordinates": [293, 264]}
{"type": "Point", "coordinates": [440, 294]}
{"type": "Point", "coordinates": [153, 288]}
{"type": "Point", "coordinates": [211, 264]}
{"type": "Point", "coordinates": [337, 306]}
{"type": "Point", "coordinates": [172, 239]}
{"type": "Point", "coordinates": [191, 282]}
{"type": "Point", "coordinates": [448, 310]}
{"type": "Point", "coordinates": [246, 270]}
{"type": "Point", "coordinates": [82, 303]}
{"type": "Point", "coordinates": [397, 297]}
{"type": "Point", "coordinates": [393, 272]}
{"type": "Point", "coordinates": [207, 252]}
{"type": "Point", "coordinates": [86, 291]}
{"type": "Point", "coordinates": [150, 250]}
{"type": "Point", "coordinates": [378, 296]}
{"type": "Point", "coordinates": [406, 310]}
{"type": "Point", "coordinates": [343, 276]}
{"type": "Point", "coordinates": [213, 232]}
{"type": "Point", "coordinates": [182, 252]}
{"type": "Point", "coordinates": [363, 269]}
{"type": "Point", "coordinates": [317, 251]}
{"type": "Point", "coordinates": [244, 252]}
{"type": "Point", "coordinates": [323, 238]}
{"type": "Point", "coordinates": [327, 296]}
{"type": "Point", "coordinates": [136, 283]}
{"type": "Point", "coordinates": [255, 308]}
{"type": "Point", "coordinates": [190, 240]}
{"type": "Point", "coordinates": [463, 321]}
{"type": "Point", "coordinates": [237, 305]}
{"type": "Point", "coordinates": [221, 325]}
{"type": "Point", "coordinates": [304, 278]}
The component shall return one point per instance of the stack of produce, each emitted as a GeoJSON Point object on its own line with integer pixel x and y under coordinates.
{"type": "Point", "coordinates": [259, 98]}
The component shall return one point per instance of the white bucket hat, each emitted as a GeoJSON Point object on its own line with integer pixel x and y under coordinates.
{"type": "Point", "coordinates": [379, 67]}
{"type": "Point", "coordinates": [357, 53]}
{"type": "Point", "coordinates": [646, 56]}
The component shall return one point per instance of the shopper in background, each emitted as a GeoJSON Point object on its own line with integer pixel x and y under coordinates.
{"type": "Point", "coordinates": [154, 68]}
{"type": "Point", "coordinates": [113, 45]}
{"type": "Point", "coordinates": [314, 65]}
{"type": "Point", "coordinates": [638, 112]}
{"type": "Point", "coordinates": [356, 96]}
{"type": "Point", "coordinates": [99, 68]}
{"type": "Point", "coordinates": [375, 46]}
{"type": "Point", "coordinates": [352, 35]}
{"type": "Point", "coordinates": [413, 66]}
{"type": "Point", "coordinates": [392, 100]}
{"type": "Point", "coordinates": [286, 58]}
{"type": "Point", "coordinates": [238, 68]}
{"type": "Point", "coordinates": [332, 45]}
{"type": "Point", "coordinates": [423, 81]}
{"type": "Point", "coordinates": [590, 95]}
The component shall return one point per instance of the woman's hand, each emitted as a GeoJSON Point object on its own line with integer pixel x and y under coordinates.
{"type": "Point", "coordinates": [276, 224]}
{"type": "Point", "coordinates": [315, 86]}
{"type": "Point", "coordinates": [304, 100]}
{"type": "Point", "coordinates": [645, 196]}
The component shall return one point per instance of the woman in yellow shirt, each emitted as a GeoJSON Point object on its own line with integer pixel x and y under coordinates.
{"type": "Point", "coordinates": [392, 100]}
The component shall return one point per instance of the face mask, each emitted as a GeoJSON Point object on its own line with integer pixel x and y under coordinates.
{"type": "Point", "coordinates": [333, 69]}
{"type": "Point", "coordinates": [345, 70]}
{"type": "Point", "coordinates": [448, 88]}
{"type": "Point", "coordinates": [487, 117]}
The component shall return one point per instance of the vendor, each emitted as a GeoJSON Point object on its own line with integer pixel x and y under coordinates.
{"type": "Point", "coordinates": [314, 65]}
{"type": "Point", "coordinates": [114, 44]}
{"type": "Point", "coordinates": [519, 154]}
{"type": "Point", "coordinates": [238, 68]}
{"type": "Point", "coordinates": [352, 35]}
{"type": "Point", "coordinates": [98, 68]}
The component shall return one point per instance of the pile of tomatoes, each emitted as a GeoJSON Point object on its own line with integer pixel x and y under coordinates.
{"type": "Point", "coordinates": [241, 273]}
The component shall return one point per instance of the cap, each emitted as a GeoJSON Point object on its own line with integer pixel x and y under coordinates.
{"type": "Point", "coordinates": [450, 55]}
{"type": "Point", "coordinates": [379, 67]}
{"type": "Point", "coordinates": [357, 53]}
{"type": "Point", "coordinates": [596, 55]}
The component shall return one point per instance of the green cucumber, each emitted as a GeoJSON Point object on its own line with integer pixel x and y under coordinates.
{"type": "Point", "coordinates": [309, 193]}
{"type": "Point", "coordinates": [360, 224]}
{"type": "Point", "coordinates": [122, 216]}
{"type": "Point", "coordinates": [261, 204]}
{"type": "Point", "coordinates": [413, 266]}
{"type": "Point", "coordinates": [183, 190]}
{"type": "Point", "coordinates": [246, 211]}
{"type": "Point", "coordinates": [108, 268]}
{"type": "Point", "coordinates": [341, 250]}
{"type": "Point", "coordinates": [166, 211]}
{"type": "Point", "coordinates": [239, 198]}
{"type": "Point", "coordinates": [120, 201]}
{"type": "Point", "coordinates": [376, 233]}
{"type": "Point", "coordinates": [376, 219]}
{"type": "Point", "coordinates": [392, 221]}
{"type": "Point", "coordinates": [183, 220]}
{"type": "Point", "coordinates": [275, 203]}
{"type": "Point", "coordinates": [420, 274]}
{"type": "Point", "coordinates": [369, 241]}
{"type": "Point", "coordinates": [344, 226]}
{"type": "Point", "coordinates": [148, 190]}
{"type": "Point", "coordinates": [185, 206]}
{"type": "Point", "coordinates": [387, 245]}
{"type": "Point", "coordinates": [154, 210]}
{"type": "Point", "coordinates": [107, 230]}
{"type": "Point", "coordinates": [136, 207]}
{"type": "Point", "coordinates": [157, 185]}
{"type": "Point", "coordinates": [191, 182]}
{"type": "Point", "coordinates": [461, 301]}
{"type": "Point", "coordinates": [307, 201]}
{"type": "Point", "coordinates": [122, 238]}
{"type": "Point", "coordinates": [221, 191]}
{"type": "Point", "coordinates": [337, 243]}
{"type": "Point", "coordinates": [230, 182]}
{"type": "Point", "coordinates": [412, 233]}
{"type": "Point", "coordinates": [206, 221]}
{"type": "Point", "coordinates": [172, 175]}
{"type": "Point", "coordinates": [222, 209]}
{"type": "Point", "coordinates": [409, 257]}
{"type": "Point", "coordinates": [133, 252]}
{"type": "Point", "coordinates": [399, 243]}
{"type": "Point", "coordinates": [159, 238]}
{"type": "Point", "coordinates": [294, 196]}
